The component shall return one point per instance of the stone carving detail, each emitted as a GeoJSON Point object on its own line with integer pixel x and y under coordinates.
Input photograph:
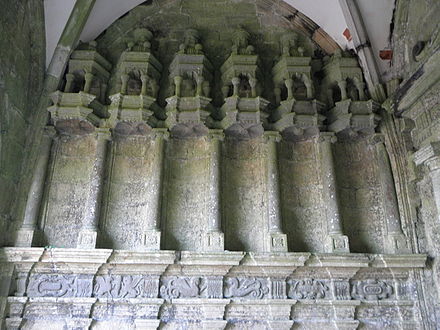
{"type": "Point", "coordinates": [183, 287]}
{"type": "Point", "coordinates": [125, 286]}
{"type": "Point", "coordinates": [342, 290]}
{"type": "Point", "coordinates": [241, 287]}
{"type": "Point", "coordinates": [50, 285]}
{"type": "Point", "coordinates": [371, 290]}
{"type": "Point", "coordinates": [307, 289]}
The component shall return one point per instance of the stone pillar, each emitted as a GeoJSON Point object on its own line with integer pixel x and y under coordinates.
{"type": "Point", "coordinates": [278, 240]}
{"type": "Point", "coordinates": [395, 240]}
{"type": "Point", "coordinates": [367, 196]}
{"type": "Point", "coordinates": [25, 234]}
{"type": "Point", "coordinates": [303, 199]}
{"type": "Point", "coordinates": [133, 197]}
{"type": "Point", "coordinates": [245, 195]}
{"type": "Point", "coordinates": [335, 240]}
{"type": "Point", "coordinates": [68, 184]}
{"type": "Point", "coordinates": [189, 186]}
{"type": "Point", "coordinates": [88, 234]}
{"type": "Point", "coordinates": [215, 237]}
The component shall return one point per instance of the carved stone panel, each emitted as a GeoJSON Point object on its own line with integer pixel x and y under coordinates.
{"type": "Point", "coordinates": [371, 290]}
{"type": "Point", "coordinates": [125, 286]}
{"type": "Point", "coordinates": [308, 289]}
{"type": "Point", "coordinates": [246, 287]}
{"type": "Point", "coordinates": [183, 287]}
{"type": "Point", "coordinates": [59, 286]}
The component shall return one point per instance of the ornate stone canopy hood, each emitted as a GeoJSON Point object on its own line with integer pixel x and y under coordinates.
{"type": "Point", "coordinates": [215, 168]}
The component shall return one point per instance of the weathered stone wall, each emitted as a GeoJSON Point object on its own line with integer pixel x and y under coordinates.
{"type": "Point", "coordinates": [22, 46]}
{"type": "Point", "coordinates": [412, 135]}
{"type": "Point", "coordinates": [413, 22]}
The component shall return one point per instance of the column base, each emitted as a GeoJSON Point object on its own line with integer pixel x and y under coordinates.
{"type": "Point", "coordinates": [87, 239]}
{"type": "Point", "coordinates": [24, 237]}
{"type": "Point", "coordinates": [215, 241]}
{"type": "Point", "coordinates": [152, 240]}
{"type": "Point", "coordinates": [396, 243]}
{"type": "Point", "coordinates": [337, 243]}
{"type": "Point", "coordinates": [278, 242]}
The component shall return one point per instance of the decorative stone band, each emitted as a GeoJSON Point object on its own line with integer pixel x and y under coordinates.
{"type": "Point", "coordinates": [144, 286]}
{"type": "Point", "coordinates": [172, 275]}
{"type": "Point", "coordinates": [208, 289]}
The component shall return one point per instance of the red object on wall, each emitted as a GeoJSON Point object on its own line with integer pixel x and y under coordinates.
{"type": "Point", "coordinates": [347, 34]}
{"type": "Point", "coordinates": [386, 54]}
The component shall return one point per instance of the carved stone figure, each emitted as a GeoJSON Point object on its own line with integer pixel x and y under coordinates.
{"type": "Point", "coordinates": [241, 287]}
{"type": "Point", "coordinates": [307, 289]}
{"type": "Point", "coordinates": [125, 286]}
{"type": "Point", "coordinates": [182, 287]}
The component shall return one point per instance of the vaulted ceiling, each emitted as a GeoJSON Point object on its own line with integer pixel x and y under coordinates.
{"type": "Point", "coordinates": [328, 14]}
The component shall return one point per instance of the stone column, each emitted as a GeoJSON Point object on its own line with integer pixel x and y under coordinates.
{"type": "Point", "coordinates": [215, 237]}
{"type": "Point", "coordinates": [303, 197]}
{"type": "Point", "coordinates": [133, 194]}
{"type": "Point", "coordinates": [367, 196]}
{"type": "Point", "coordinates": [88, 234]}
{"type": "Point", "coordinates": [278, 240]}
{"type": "Point", "coordinates": [335, 240]}
{"type": "Point", "coordinates": [69, 183]}
{"type": "Point", "coordinates": [244, 195]}
{"type": "Point", "coordinates": [396, 241]}
{"type": "Point", "coordinates": [25, 234]}
{"type": "Point", "coordinates": [187, 194]}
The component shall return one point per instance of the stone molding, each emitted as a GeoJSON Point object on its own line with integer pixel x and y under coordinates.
{"type": "Point", "coordinates": [429, 155]}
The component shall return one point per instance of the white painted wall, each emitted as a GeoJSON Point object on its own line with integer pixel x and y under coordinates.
{"type": "Point", "coordinates": [56, 13]}
{"type": "Point", "coordinates": [377, 16]}
{"type": "Point", "coordinates": [103, 14]}
{"type": "Point", "coordinates": [327, 14]}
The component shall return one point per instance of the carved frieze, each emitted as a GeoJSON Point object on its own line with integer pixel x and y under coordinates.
{"type": "Point", "coordinates": [54, 285]}
{"type": "Point", "coordinates": [371, 289]}
{"type": "Point", "coordinates": [183, 287]}
{"type": "Point", "coordinates": [307, 289]}
{"type": "Point", "coordinates": [214, 287]}
{"type": "Point", "coordinates": [125, 286]}
{"type": "Point", "coordinates": [246, 287]}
